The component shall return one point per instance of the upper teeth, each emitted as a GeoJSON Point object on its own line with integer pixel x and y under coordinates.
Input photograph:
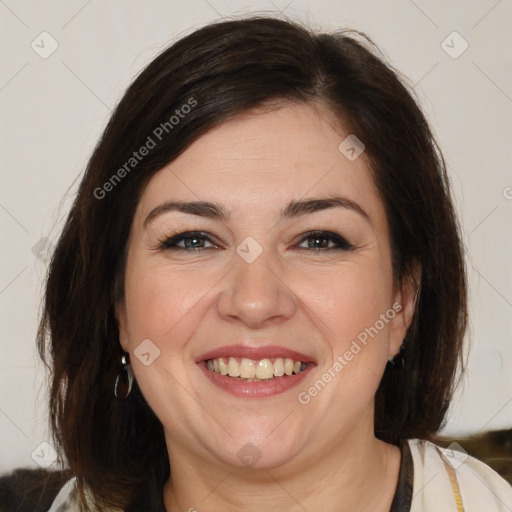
{"type": "Point", "coordinates": [249, 369]}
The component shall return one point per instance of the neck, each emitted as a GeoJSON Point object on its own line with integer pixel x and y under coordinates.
{"type": "Point", "coordinates": [348, 476]}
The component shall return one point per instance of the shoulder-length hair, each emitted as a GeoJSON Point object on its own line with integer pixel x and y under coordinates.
{"type": "Point", "coordinates": [224, 69]}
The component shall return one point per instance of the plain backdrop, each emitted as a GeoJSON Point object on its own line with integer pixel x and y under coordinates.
{"type": "Point", "coordinates": [456, 55]}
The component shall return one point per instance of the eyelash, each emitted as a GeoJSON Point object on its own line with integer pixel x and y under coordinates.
{"type": "Point", "coordinates": [170, 243]}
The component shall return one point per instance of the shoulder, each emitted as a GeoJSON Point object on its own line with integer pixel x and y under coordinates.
{"type": "Point", "coordinates": [447, 476]}
{"type": "Point", "coordinates": [65, 500]}
{"type": "Point", "coordinates": [30, 490]}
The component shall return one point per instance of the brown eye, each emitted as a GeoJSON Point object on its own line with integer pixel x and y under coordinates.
{"type": "Point", "coordinates": [318, 242]}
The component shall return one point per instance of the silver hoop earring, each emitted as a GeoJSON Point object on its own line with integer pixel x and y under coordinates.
{"type": "Point", "coordinates": [398, 362]}
{"type": "Point", "coordinates": [124, 379]}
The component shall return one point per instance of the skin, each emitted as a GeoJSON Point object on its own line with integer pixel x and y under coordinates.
{"type": "Point", "coordinates": [319, 456]}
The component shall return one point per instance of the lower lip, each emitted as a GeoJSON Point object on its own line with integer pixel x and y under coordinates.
{"type": "Point", "coordinates": [244, 389]}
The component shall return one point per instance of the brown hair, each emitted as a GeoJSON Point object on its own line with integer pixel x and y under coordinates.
{"type": "Point", "coordinates": [227, 68]}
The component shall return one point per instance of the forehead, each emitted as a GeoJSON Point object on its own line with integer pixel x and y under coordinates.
{"type": "Point", "coordinates": [262, 160]}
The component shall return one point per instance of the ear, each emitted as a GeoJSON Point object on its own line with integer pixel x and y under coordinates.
{"type": "Point", "coordinates": [120, 313]}
{"type": "Point", "coordinates": [404, 303]}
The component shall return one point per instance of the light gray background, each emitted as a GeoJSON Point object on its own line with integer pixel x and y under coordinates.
{"type": "Point", "coordinates": [54, 109]}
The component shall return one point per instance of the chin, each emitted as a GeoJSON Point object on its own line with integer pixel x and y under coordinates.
{"type": "Point", "coordinates": [265, 448]}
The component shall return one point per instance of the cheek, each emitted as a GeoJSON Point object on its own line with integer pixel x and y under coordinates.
{"type": "Point", "coordinates": [159, 299]}
{"type": "Point", "coordinates": [361, 341]}
{"type": "Point", "coordinates": [163, 306]}
{"type": "Point", "coordinates": [348, 300]}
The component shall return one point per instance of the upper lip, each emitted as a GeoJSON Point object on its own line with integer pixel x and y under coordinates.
{"type": "Point", "coordinates": [255, 353]}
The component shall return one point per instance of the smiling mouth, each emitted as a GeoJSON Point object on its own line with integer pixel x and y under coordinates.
{"type": "Point", "coordinates": [249, 370]}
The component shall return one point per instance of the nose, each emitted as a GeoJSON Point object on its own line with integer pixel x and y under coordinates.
{"type": "Point", "coordinates": [255, 294]}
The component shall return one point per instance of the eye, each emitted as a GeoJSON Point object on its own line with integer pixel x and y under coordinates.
{"type": "Point", "coordinates": [188, 241]}
{"type": "Point", "coordinates": [324, 241]}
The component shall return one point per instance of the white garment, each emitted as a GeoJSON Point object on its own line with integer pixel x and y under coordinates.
{"type": "Point", "coordinates": [480, 488]}
{"type": "Point", "coordinates": [64, 502]}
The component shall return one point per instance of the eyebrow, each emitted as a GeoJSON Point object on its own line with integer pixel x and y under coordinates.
{"type": "Point", "coordinates": [199, 208]}
{"type": "Point", "coordinates": [216, 211]}
{"type": "Point", "coordinates": [299, 208]}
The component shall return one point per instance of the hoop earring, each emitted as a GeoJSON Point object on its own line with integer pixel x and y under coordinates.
{"type": "Point", "coordinates": [398, 362]}
{"type": "Point", "coordinates": [124, 379]}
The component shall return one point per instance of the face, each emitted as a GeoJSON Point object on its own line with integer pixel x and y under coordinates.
{"type": "Point", "coordinates": [262, 242]}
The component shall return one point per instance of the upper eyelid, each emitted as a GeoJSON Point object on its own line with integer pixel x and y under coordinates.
{"type": "Point", "coordinates": [189, 234]}
{"type": "Point", "coordinates": [336, 237]}
{"type": "Point", "coordinates": [205, 234]}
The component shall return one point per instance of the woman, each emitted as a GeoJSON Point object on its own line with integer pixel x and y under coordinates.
{"type": "Point", "coordinates": [258, 300]}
